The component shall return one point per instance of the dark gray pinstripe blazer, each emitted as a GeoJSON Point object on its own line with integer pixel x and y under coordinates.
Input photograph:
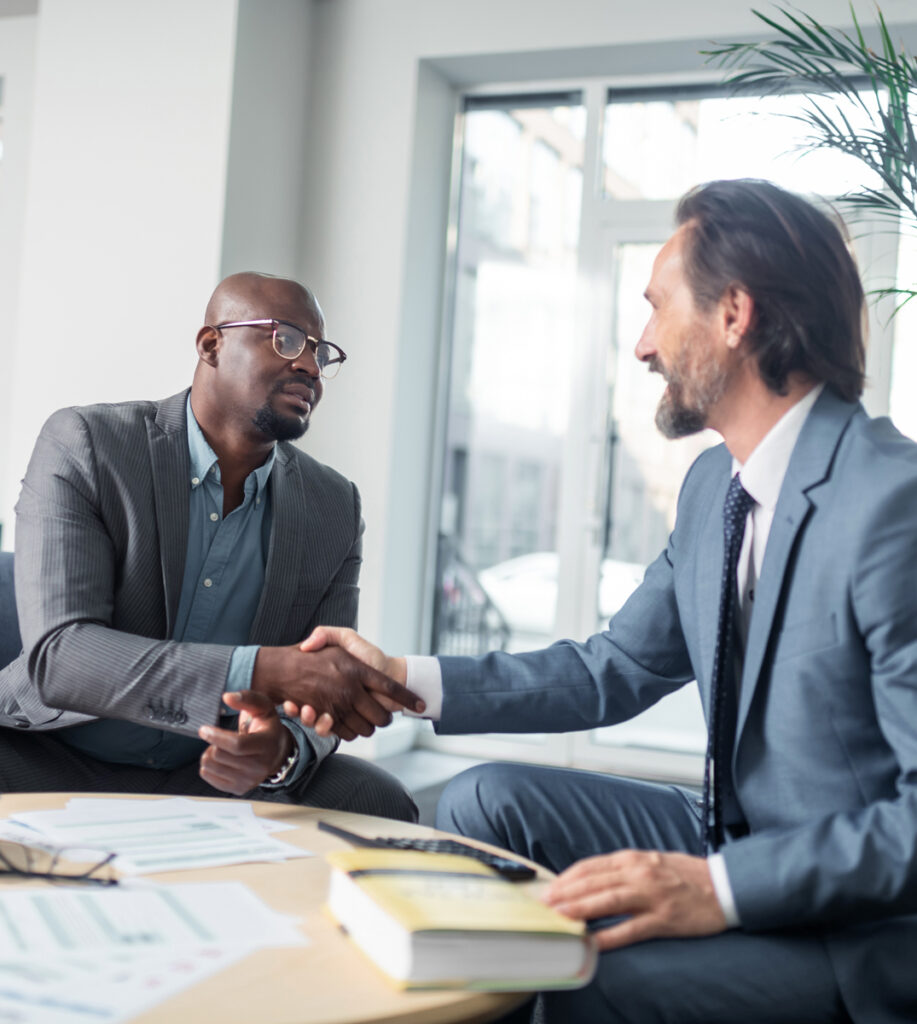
{"type": "Point", "coordinates": [101, 534]}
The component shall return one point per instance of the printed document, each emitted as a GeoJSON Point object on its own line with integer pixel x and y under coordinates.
{"type": "Point", "coordinates": [157, 835]}
{"type": "Point", "coordinates": [74, 955]}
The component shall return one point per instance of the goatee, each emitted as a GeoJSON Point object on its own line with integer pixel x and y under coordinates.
{"type": "Point", "coordinates": [278, 428]}
{"type": "Point", "coordinates": [696, 382]}
{"type": "Point", "coordinates": [674, 420]}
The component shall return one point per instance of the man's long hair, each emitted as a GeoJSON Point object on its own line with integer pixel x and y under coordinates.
{"type": "Point", "coordinates": [793, 261]}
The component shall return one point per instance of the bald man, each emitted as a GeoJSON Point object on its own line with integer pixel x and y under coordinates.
{"type": "Point", "coordinates": [169, 558]}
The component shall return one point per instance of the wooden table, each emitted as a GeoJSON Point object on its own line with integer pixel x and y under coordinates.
{"type": "Point", "coordinates": [327, 982]}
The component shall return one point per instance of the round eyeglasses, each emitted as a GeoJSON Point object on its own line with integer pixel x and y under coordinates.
{"type": "Point", "coordinates": [290, 341]}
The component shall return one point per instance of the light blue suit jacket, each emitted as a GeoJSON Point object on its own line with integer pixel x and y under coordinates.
{"type": "Point", "coordinates": [825, 757]}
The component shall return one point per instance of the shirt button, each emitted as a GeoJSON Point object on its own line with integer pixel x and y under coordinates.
{"type": "Point", "coordinates": [213, 470]}
{"type": "Point", "coordinates": [257, 501]}
{"type": "Point", "coordinates": [208, 582]}
{"type": "Point", "coordinates": [195, 481]}
{"type": "Point", "coordinates": [214, 517]}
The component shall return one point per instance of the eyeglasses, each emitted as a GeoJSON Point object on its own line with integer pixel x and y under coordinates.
{"type": "Point", "coordinates": [290, 341]}
{"type": "Point", "coordinates": [34, 862]}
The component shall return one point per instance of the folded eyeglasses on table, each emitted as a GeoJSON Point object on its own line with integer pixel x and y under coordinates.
{"type": "Point", "coordinates": [54, 865]}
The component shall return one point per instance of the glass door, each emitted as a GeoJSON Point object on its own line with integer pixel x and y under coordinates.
{"type": "Point", "coordinates": [515, 353]}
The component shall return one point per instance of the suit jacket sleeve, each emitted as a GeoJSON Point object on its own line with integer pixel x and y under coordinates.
{"type": "Point", "coordinates": [67, 575]}
{"type": "Point", "coordinates": [610, 678]}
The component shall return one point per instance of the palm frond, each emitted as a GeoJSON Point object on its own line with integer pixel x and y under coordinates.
{"type": "Point", "coordinates": [902, 296]}
{"type": "Point", "coordinates": [830, 67]}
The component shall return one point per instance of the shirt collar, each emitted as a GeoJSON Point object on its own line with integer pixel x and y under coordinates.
{"type": "Point", "coordinates": [763, 472]}
{"type": "Point", "coordinates": [204, 459]}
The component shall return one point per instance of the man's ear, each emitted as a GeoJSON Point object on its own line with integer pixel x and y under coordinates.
{"type": "Point", "coordinates": [208, 344]}
{"type": "Point", "coordinates": [737, 310]}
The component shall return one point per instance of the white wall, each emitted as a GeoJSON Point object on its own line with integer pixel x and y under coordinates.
{"type": "Point", "coordinates": [17, 65]}
{"type": "Point", "coordinates": [124, 209]}
{"type": "Point", "coordinates": [268, 152]}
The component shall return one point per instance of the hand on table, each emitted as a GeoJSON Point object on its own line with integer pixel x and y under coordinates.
{"type": "Point", "coordinates": [662, 894]}
{"type": "Point", "coordinates": [329, 688]}
{"type": "Point", "coordinates": [328, 637]}
{"type": "Point", "coordinates": [238, 761]}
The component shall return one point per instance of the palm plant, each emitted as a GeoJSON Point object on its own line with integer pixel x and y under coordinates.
{"type": "Point", "coordinates": [857, 101]}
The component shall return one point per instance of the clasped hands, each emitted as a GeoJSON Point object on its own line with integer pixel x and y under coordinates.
{"type": "Point", "coordinates": [325, 684]}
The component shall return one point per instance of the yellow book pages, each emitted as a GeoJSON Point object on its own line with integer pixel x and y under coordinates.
{"type": "Point", "coordinates": [365, 858]}
{"type": "Point", "coordinates": [442, 892]}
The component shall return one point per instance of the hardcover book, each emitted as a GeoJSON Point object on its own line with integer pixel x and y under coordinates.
{"type": "Point", "coordinates": [431, 920]}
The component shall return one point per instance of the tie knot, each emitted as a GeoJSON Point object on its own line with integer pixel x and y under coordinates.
{"type": "Point", "coordinates": [737, 504]}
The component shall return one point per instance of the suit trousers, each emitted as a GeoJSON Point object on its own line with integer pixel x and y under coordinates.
{"type": "Point", "coordinates": [38, 762]}
{"type": "Point", "coordinates": [557, 816]}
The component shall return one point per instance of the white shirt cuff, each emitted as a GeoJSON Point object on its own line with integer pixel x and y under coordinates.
{"type": "Point", "coordinates": [425, 678]}
{"type": "Point", "coordinates": [720, 877]}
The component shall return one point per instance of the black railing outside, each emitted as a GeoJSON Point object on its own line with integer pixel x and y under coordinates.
{"type": "Point", "coordinates": [465, 620]}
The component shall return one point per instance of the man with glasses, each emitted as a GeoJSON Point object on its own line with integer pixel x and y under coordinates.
{"type": "Point", "coordinates": [169, 557]}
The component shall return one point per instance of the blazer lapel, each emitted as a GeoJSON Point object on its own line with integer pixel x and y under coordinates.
{"type": "Point", "coordinates": [171, 464]}
{"type": "Point", "coordinates": [292, 536]}
{"type": "Point", "coordinates": [809, 465]}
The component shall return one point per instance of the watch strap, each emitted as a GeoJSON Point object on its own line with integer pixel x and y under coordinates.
{"type": "Point", "coordinates": [288, 765]}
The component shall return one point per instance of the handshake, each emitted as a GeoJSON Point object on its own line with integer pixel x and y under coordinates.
{"type": "Point", "coordinates": [334, 681]}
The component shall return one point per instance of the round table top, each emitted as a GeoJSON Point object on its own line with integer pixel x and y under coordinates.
{"type": "Point", "coordinates": [327, 982]}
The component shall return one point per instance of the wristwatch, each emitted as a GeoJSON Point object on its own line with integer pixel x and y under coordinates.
{"type": "Point", "coordinates": [286, 767]}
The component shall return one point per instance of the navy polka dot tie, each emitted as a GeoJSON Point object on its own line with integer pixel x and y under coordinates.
{"type": "Point", "coordinates": [723, 683]}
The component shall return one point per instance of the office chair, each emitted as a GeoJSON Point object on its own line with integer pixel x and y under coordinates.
{"type": "Point", "coordinates": [10, 640]}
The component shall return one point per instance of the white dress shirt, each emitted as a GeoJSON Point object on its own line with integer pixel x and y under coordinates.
{"type": "Point", "coordinates": [762, 477]}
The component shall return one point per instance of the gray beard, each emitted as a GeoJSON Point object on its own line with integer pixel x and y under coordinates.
{"type": "Point", "coordinates": [675, 415]}
{"type": "Point", "coordinates": [674, 421]}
